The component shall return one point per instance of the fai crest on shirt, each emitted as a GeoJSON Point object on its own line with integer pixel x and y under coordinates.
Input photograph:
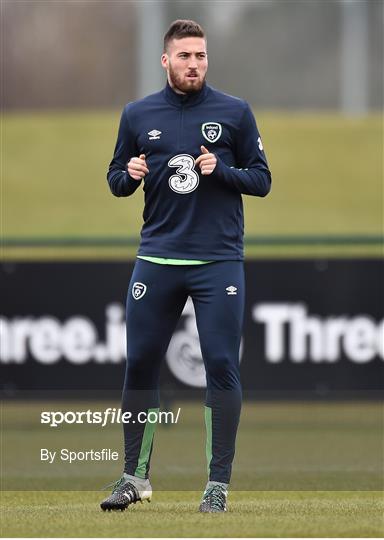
{"type": "Point", "coordinates": [211, 131]}
{"type": "Point", "coordinates": [138, 290]}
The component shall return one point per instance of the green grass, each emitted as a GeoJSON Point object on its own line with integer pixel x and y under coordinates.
{"type": "Point", "coordinates": [174, 514]}
{"type": "Point", "coordinates": [327, 179]}
{"type": "Point", "coordinates": [301, 469]}
{"type": "Point", "coordinates": [251, 252]}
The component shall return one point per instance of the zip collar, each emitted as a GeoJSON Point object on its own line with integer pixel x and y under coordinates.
{"type": "Point", "coordinates": [185, 100]}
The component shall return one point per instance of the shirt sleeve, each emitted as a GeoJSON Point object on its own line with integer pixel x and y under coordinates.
{"type": "Point", "coordinates": [120, 182]}
{"type": "Point", "coordinates": [252, 175]}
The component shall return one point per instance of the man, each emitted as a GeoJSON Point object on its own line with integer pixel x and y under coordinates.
{"type": "Point", "coordinates": [197, 151]}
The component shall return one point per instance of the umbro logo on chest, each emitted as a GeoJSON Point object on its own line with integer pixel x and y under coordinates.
{"type": "Point", "coordinates": [154, 134]}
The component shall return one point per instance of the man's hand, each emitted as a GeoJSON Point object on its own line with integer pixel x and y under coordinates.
{"type": "Point", "coordinates": [206, 161]}
{"type": "Point", "coordinates": [137, 167]}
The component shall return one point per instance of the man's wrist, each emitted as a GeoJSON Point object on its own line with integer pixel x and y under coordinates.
{"type": "Point", "coordinates": [218, 171]}
{"type": "Point", "coordinates": [130, 180]}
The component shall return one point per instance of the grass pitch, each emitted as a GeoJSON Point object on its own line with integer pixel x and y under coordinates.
{"type": "Point", "coordinates": [174, 514]}
{"type": "Point", "coordinates": [301, 469]}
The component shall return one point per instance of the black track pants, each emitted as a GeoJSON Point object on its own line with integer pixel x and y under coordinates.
{"type": "Point", "coordinates": [156, 298]}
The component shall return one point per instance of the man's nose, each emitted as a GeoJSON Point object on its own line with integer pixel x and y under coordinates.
{"type": "Point", "coordinates": [192, 63]}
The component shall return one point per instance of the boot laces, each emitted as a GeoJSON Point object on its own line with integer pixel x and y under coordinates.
{"type": "Point", "coordinates": [123, 486]}
{"type": "Point", "coordinates": [215, 496]}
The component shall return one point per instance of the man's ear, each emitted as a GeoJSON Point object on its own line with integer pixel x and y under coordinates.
{"type": "Point", "coordinates": [164, 60]}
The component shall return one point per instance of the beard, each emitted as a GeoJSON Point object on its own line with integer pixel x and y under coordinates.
{"type": "Point", "coordinates": [184, 84]}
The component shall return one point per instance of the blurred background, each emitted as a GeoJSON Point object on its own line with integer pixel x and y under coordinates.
{"type": "Point", "coordinates": [294, 55]}
{"type": "Point", "coordinates": [313, 344]}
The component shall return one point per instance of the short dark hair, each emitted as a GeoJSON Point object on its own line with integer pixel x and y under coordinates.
{"type": "Point", "coordinates": [182, 28]}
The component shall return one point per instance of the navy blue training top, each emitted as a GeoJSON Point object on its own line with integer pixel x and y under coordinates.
{"type": "Point", "coordinates": [188, 215]}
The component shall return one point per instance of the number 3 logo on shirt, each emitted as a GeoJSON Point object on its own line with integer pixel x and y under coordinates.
{"type": "Point", "coordinates": [186, 178]}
